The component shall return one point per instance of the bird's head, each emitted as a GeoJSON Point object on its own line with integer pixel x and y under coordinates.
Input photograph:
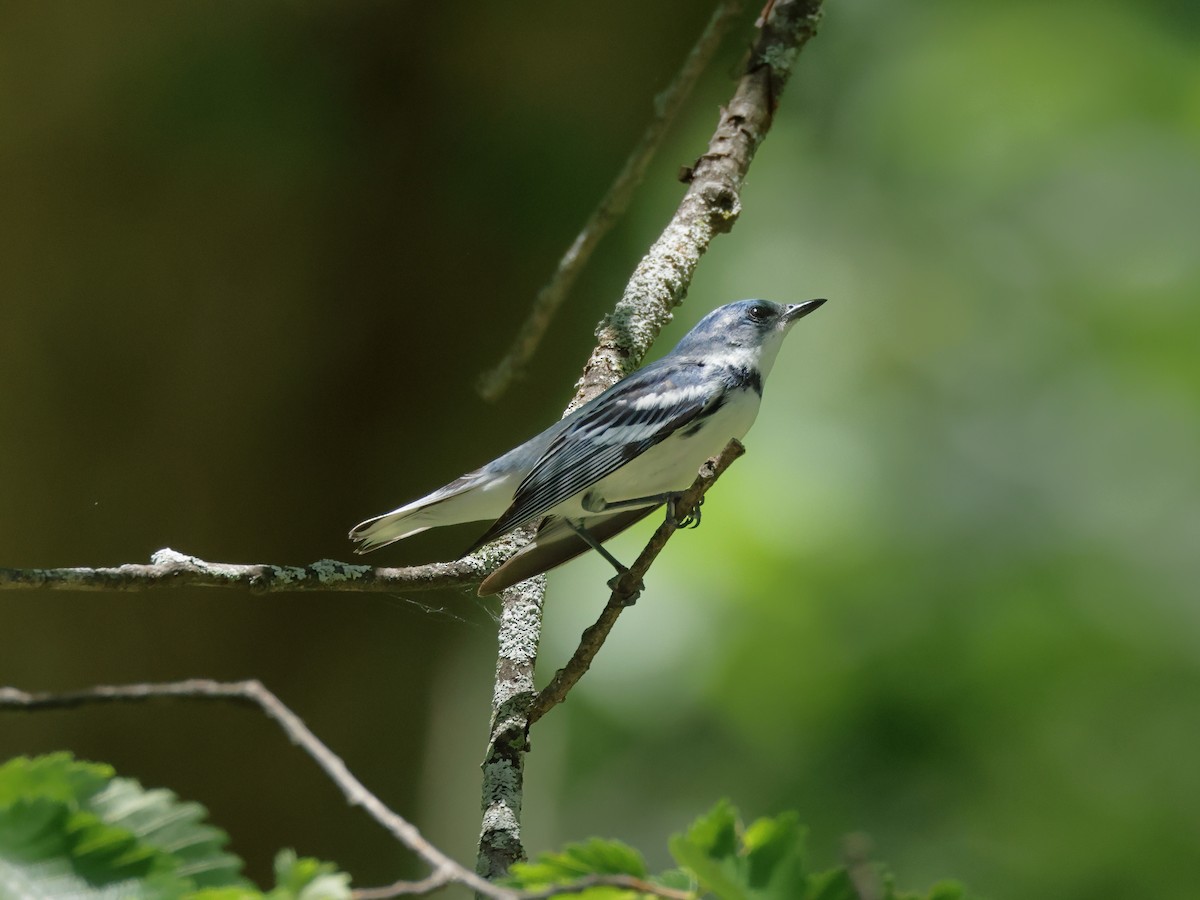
{"type": "Point", "coordinates": [748, 332]}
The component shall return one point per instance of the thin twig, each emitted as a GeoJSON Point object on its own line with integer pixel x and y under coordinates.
{"type": "Point", "coordinates": [254, 693]}
{"type": "Point", "coordinates": [496, 381]}
{"type": "Point", "coordinates": [629, 585]}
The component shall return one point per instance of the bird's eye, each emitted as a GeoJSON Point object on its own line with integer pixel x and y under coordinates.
{"type": "Point", "coordinates": [760, 312]}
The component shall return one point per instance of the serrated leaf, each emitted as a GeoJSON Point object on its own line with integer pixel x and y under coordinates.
{"type": "Point", "coordinates": [575, 861]}
{"type": "Point", "coordinates": [708, 851]}
{"type": "Point", "coordinates": [305, 878]}
{"type": "Point", "coordinates": [56, 776]}
{"type": "Point", "coordinates": [715, 832]}
{"type": "Point", "coordinates": [765, 862]}
{"type": "Point", "coordinates": [717, 857]}
{"type": "Point", "coordinates": [774, 851]}
{"type": "Point", "coordinates": [69, 828]}
{"type": "Point", "coordinates": [163, 822]}
{"type": "Point", "coordinates": [591, 857]}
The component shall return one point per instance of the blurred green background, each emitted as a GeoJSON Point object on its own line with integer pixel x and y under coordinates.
{"type": "Point", "coordinates": [253, 257]}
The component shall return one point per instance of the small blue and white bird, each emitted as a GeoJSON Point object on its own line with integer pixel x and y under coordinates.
{"type": "Point", "coordinates": [618, 457]}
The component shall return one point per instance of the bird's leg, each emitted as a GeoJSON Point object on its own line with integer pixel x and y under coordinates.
{"type": "Point", "coordinates": [595, 504]}
{"type": "Point", "coordinates": [587, 537]}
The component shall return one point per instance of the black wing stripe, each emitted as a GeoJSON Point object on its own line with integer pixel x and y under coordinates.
{"type": "Point", "coordinates": [554, 491]}
{"type": "Point", "coordinates": [581, 465]}
{"type": "Point", "coordinates": [579, 457]}
{"type": "Point", "coordinates": [527, 507]}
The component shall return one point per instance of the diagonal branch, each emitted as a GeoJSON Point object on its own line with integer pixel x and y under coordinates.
{"type": "Point", "coordinates": [711, 205]}
{"type": "Point", "coordinates": [496, 381]}
{"type": "Point", "coordinates": [628, 586]}
{"type": "Point", "coordinates": [445, 869]}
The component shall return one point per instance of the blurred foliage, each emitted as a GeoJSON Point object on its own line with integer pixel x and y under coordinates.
{"type": "Point", "coordinates": [254, 257]}
{"type": "Point", "coordinates": [71, 829]}
{"type": "Point", "coordinates": [720, 857]}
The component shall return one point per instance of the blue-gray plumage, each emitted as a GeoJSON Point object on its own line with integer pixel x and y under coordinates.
{"type": "Point", "coordinates": [616, 458]}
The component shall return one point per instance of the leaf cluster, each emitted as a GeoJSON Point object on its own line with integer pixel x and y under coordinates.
{"type": "Point", "coordinates": [719, 857]}
{"type": "Point", "coordinates": [74, 829]}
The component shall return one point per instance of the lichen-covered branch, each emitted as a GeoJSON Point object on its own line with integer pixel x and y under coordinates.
{"type": "Point", "coordinates": [711, 205]}
{"type": "Point", "coordinates": [614, 204]}
{"type": "Point", "coordinates": [504, 762]}
{"type": "Point", "coordinates": [168, 568]}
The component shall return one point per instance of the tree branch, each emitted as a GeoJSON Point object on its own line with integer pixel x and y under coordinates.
{"type": "Point", "coordinates": [445, 869]}
{"type": "Point", "coordinates": [628, 586]}
{"type": "Point", "coordinates": [496, 381]}
{"type": "Point", "coordinates": [710, 206]}
{"type": "Point", "coordinates": [169, 568]}
{"type": "Point", "coordinates": [504, 761]}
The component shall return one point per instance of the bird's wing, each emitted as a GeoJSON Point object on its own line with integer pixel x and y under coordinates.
{"type": "Point", "coordinates": [639, 412]}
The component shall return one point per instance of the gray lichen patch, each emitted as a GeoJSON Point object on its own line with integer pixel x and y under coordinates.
{"type": "Point", "coordinates": [330, 571]}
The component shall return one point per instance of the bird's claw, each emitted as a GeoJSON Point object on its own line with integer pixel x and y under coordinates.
{"type": "Point", "coordinates": [628, 594]}
{"type": "Point", "coordinates": [691, 520]}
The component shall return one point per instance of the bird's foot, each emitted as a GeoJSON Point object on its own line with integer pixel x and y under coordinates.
{"type": "Point", "coordinates": [691, 520]}
{"type": "Point", "coordinates": [627, 595]}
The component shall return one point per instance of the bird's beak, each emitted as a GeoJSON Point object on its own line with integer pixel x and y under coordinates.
{"type": "Point", "coordinates": [796, 311]}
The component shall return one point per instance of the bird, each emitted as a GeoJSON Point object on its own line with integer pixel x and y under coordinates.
{"type": "Point", "coordinates": [614, 460]}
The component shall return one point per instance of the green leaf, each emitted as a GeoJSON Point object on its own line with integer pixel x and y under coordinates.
{"type": "Point", "coordinates": [305, 878]}
{"type": "Point", "coordinates": [69, 828]}
{"type": "Point", "coordinates": [709, 850]}
{"type": "Point", "coordinates": [73, 829]}
{"type": "Point", "coordinates": [296, 878]}
{"type": "Point", "coordinates": [56, 776]}
{"type": "Point", "coordinates": [762, 862]}
{"type": "Point", "coordinates": [177, 828]}
{"type": "Point", "coordinates": [717, 857]}
{"type": "Point", "coordinates": [774, 851]}
{"type": "Point", "coordinates": [592, 857]}
{"type": "Point", "coordinates": [227, 893]}
{"type": "Point", "coordinates": [832, 885]}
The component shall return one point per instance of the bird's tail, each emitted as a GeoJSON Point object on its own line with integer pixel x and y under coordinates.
{"type": "Point", "coordinates": [478, 496]}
